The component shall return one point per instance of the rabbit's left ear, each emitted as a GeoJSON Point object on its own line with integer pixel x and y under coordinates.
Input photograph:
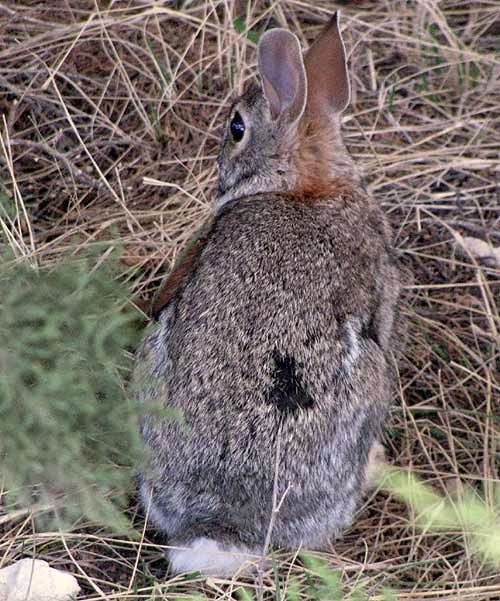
{"type": "Point", "coordinates": [327, 79]}
{"type": "Point", "coordinates": [281, 67]}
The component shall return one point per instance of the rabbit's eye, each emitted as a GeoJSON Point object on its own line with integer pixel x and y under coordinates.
{"type": "Point", "coordinates": [237, 127]}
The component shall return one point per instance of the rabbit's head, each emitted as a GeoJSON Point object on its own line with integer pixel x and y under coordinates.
{"type": "Point", "coordinates": [284, 136]}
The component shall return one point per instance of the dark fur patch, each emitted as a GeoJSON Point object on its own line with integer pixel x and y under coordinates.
{"type": "Point", "coordinates": [369, 329]}
{"type": "Point", "coordinates": [224, 451]}
{"type": "Point", "coordinates": [288, 393]}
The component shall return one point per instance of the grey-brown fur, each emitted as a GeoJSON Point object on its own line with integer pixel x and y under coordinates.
{"type": "Point", "coordinates": [283, 328]}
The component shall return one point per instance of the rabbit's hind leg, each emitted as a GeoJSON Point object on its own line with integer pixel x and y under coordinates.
{"type": "Point", "coordinates": [212, 558]}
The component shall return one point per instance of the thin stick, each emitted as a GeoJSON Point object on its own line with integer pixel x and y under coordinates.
{"type": "Point", "coordinates": [274, 512]}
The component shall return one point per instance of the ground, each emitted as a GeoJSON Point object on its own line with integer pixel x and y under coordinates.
{"type": "Point", "coordinates": [111, 117]}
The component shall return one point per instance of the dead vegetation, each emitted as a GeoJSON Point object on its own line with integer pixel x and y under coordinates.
{"type": "Point", "coordinates": [111, 115]}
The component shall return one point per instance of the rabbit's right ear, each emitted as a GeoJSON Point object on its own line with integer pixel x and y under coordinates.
{"type": "Point", "coordinates": [284, 80]}
{"type": "Point", "coordinates": [327, 77]}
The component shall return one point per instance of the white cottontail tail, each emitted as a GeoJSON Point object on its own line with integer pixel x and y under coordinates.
{"type": "Point", "coordinates": [274, 335]}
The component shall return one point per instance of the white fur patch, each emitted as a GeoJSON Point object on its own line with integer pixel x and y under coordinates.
{"type": "Point", "coordinates": [207, 556]}
{"type": "Point", "coordinates": [354, 350]}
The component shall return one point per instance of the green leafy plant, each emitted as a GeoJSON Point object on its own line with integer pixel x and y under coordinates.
{"type": "Point", "coordinates": [468, 513]}
{"type": "Point", "coordinates": [68, 437]}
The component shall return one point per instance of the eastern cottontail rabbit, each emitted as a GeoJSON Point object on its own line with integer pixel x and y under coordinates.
{"type": "Point", "coordinates": [275, 333]}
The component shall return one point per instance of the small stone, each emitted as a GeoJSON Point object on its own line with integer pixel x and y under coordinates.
{"type": "Point", "coordinates": [479, 249]}
{"type": "Point", "coordinates": [34, 580]}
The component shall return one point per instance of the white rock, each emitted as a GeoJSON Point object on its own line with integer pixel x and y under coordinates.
{"type": "Point", "coordinates": [479, 249]}
{"type": "Point", "coordinates": [35, 580]}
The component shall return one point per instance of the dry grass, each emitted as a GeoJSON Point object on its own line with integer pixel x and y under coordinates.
{"type": "Point", "coordinates": [97, 96]}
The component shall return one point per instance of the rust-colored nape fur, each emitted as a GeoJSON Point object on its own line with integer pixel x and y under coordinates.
{"type": "Point", "coordinates": [321, 162]}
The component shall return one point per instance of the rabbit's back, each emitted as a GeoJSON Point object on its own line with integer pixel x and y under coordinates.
{"type": "Point", "coordinates": [279, 333]}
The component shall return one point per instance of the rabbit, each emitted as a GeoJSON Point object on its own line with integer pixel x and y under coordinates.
{"type": "Point", "coordinates": [274, 335]}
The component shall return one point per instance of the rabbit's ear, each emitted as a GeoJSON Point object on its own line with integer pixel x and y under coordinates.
{"type": "Point", "coordinates": [281, 67]}
{"type": "Point", "coordinates": [327, 80]}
